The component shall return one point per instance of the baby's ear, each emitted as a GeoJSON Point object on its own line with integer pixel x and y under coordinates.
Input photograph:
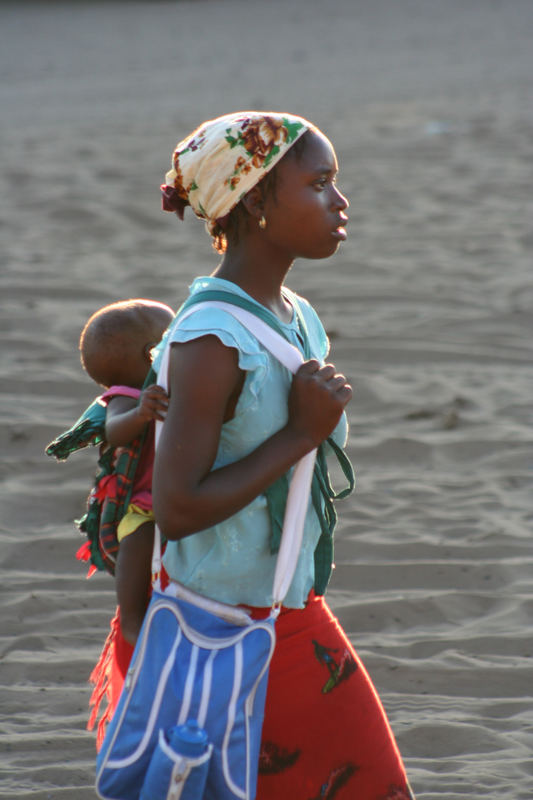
{"type": "Point", "coordinates": [147, 351]}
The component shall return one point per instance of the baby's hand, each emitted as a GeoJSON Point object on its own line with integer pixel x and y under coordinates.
{"type": "Point", "coordinates": [153, 403]}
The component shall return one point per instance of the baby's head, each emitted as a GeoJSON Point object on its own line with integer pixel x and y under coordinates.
{"type": "Point", "coordinates": [115, 343]}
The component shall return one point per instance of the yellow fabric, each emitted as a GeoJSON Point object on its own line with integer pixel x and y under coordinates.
{"type": "Point", "coordinates": [225, 157]}
{"type": "Point", "coordinates": [133, 519]}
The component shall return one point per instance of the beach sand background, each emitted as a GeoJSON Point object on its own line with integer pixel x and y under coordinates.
{"type": "Point", "coordinates": [430, 106]}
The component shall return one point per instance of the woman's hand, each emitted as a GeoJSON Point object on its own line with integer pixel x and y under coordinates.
{"type": "Point", "coordinates": [317, 399]}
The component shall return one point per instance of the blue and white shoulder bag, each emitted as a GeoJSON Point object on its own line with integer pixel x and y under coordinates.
{"type": "Point", "coordinates": [197, 659]}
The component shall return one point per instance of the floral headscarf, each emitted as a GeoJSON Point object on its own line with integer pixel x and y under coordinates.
{"type": "Point", "coordinates": [214, 167]}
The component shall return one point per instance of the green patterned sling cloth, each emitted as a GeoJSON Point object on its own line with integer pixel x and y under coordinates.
{"type": "Point", "coordinates": [110, 495]}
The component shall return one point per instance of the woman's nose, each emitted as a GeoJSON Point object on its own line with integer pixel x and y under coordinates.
{"type": "Point", "coordinates": [340, 201]}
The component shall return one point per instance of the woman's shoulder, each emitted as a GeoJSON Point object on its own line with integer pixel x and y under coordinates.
{"type": "Point", "coordinates": [315, 330]}
{"type": "Point", "coordinates": [303, 306]}
{"type": "Point", "coordinates": [204, 320]}
{"type": "Point", "coordinates": [218, 322]}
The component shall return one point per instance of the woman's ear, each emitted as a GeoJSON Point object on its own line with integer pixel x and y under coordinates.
{"type": "Point", "coordinates": [254, 203]}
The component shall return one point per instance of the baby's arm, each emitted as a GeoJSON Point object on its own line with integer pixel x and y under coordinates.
{"type": "Point", "coordinates": [125, 419]}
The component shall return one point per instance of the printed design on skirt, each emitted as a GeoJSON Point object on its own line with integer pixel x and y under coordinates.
{"type": "Point", "coordinates": [336, 780]}
{"type": "Point", "coordinates": [273, 758]}
{"type": "Point", "coordinates": [397, 793]}
{"type": "Point", "coordinates": [340, 668]}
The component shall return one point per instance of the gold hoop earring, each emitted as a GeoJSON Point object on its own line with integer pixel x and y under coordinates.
{"type": "Point", "coordinates": [262, 223]}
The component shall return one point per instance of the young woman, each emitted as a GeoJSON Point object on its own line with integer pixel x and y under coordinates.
{"type": "Point", "coordinates": [237, 421]}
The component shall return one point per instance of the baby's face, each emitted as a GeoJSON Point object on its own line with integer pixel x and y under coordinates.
{"type": "Point", "coordinates": [160, 319]}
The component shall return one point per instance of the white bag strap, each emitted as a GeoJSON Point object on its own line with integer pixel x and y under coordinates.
{"type": "Point", "coordinates": [300, 485]}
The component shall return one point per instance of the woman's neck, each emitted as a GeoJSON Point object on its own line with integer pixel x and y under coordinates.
{"type": "Point", "coordinates": [258, 279]}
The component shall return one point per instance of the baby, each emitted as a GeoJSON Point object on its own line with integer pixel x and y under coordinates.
{"type": "Point", "coordinates": [115, 347]}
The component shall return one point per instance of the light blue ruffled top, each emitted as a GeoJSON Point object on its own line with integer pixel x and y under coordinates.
{"type": "Point", "coordinates": [231, 562]}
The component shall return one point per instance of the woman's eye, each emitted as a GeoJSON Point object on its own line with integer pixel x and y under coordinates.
{"type": "Point", "coordinates": [322, 182]}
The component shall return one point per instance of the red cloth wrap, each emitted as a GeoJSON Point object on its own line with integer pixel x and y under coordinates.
{"type": "Point", "coordinates": [108, 678]}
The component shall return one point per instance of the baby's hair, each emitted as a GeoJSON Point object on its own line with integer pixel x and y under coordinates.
{"type": "Point", "coordinates": [116, 337]}
{"type": "Point", "coordinates": [238, 218]}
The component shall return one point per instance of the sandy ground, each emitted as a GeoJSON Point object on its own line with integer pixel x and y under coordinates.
{"type": "Point", "coordinates": [430, 106]}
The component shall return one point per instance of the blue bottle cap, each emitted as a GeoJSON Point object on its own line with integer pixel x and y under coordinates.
{"type": "Point", "coordinates": [188, 739]}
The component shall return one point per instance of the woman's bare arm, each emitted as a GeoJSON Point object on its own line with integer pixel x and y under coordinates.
{"type": "Point", "coordinates": [203, 376]}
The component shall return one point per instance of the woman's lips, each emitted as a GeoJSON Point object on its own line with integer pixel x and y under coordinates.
{"type": "Point", "coordinates": [340, 231]}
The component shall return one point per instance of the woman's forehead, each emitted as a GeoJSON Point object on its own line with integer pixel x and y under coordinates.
{"type": "Point", "coordinates": [318, 156]}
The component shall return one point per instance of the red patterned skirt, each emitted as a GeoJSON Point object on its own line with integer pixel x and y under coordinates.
{"type": "Point", "coordinates": [325, 733]}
